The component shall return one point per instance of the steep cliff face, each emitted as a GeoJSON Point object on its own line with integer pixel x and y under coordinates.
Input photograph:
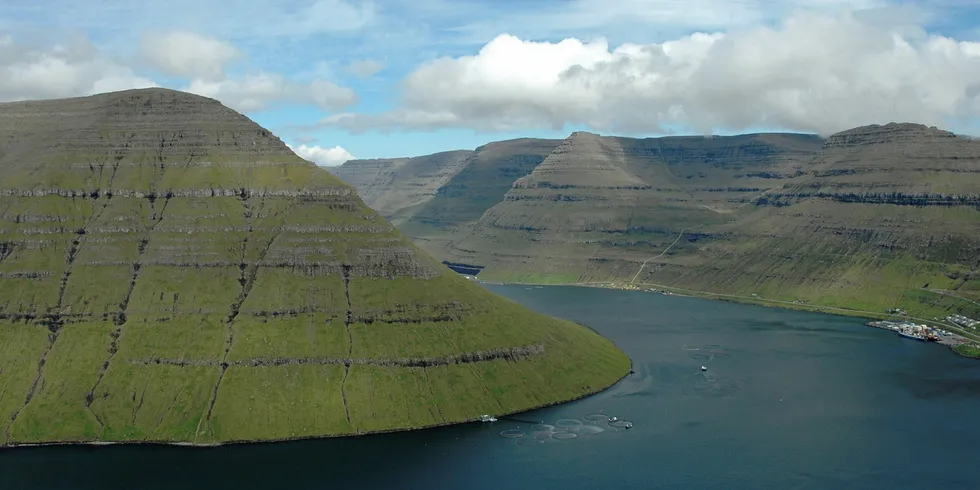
{"type": "Point", "coordinates": [486, 176]}
{"type": "Point", "coordinates": [170, 271]}
{"type": "Point", "coordinates": [393, 186]}
{"type": "Point", "coordinates": [434, 198]}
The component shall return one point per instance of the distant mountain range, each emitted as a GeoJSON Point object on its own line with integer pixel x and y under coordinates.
{"type": "Point", "coordinates": [869, 219]}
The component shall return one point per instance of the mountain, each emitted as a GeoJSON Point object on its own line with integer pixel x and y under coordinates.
{"type": "Point", "coordinates": [171, 272]}
{"type": "Point", "coordinates": [467, 184]}
{"type": "Point", "coordinates": [868, 219]}
{"type": "Point", "coordinates": [396, 184]}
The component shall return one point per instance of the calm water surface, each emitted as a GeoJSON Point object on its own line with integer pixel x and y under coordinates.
{"type": "Point", "coordinates": [790, 400]}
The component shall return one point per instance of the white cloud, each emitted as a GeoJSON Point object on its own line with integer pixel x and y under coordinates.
{"type": "Point", "coordinates": [258, 91]}
{"type": "Point", "coordinates": [189, 55]}
{"type": "Point", "coordinates": [813, 73]}
{"type": "Point", "coordinates": [365, 68]}
{"type": "Point", "coordinates": [73, 69]}
{"type": "Point", "coordinates": [79, 68]}
{"type": "Point", "coordinates": [327, 157]}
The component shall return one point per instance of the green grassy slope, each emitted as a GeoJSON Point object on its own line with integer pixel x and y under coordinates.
{"type": "Point", "coordinates": [597, 206]}
{"type": "Point", "coordinates": [169, 271]}
{"type": "Point", "coordinates": [870, 219]}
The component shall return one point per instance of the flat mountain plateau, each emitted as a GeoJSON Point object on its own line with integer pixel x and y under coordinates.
{"type": "Point", "coordinates": [171, 272]}
{"type": "Point", "coordinates": [866, 220]}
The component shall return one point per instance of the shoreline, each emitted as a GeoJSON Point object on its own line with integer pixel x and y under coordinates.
{"type": "Point", "coordinates": [242, 442]}
{"type": "Point", "coordinates": [757, 301]}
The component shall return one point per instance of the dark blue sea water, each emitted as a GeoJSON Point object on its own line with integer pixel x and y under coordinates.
{"type": "Point", "coordinates": [790, 400]}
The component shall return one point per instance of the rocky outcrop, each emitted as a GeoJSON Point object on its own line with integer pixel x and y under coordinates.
{"type": "Point", "coordinates": [171, 271]}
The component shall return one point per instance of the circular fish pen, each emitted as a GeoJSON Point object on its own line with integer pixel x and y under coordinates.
{"type": "Point", "coordinates": [562, 436]}
{"type": "Point", "coordinates": [597, 417]}
{"type": "Point", "coordinates": [542, 434]}
{"type": "Point", "coordinates": [568, 425]}
{"type": "Point", "coordinates": [621, 424]}
{"type": "Point", "coordinates": [512, 433]}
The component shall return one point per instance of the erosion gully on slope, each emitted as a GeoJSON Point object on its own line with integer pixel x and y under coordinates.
{"type": "Point", "coordinates": [53, 320]}
{"type": "Point", "coordinates": [345, 269]}
{"type": "Point", "coordinates": [246, 281]}
{"type": "Point", "coordinates": [121, 317]}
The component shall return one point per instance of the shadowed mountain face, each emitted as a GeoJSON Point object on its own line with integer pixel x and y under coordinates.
{"type": "Point", "coordinates": [398, 184]}
{"type": "Point", "coordinates": [451, 203]}
{"type": "Point", "coordinates": [871, 218]}
{"type": "Point", "coordinates": [170, 271]}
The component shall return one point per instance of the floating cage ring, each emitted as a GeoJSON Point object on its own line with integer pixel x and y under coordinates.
{"type": "Point", "coordinates": [623, 424]}
{"type": "Point", "coordinates": [597, 417]}
{"type": "Point", "coordinates": [566, 423]}
{"type": "Point", "coordinates": [561, 436]}
{"type": "Point", "coordinates": [512, 433]}
{"type": "Point", "coordinates": [543, 427]}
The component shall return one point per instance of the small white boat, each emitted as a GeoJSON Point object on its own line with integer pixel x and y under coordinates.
{"type": "Point", "coordinates": [488, 418]}
{"type": "Point", "coordinates": [613, 419]}
{"type": "Point", "coordinates": [704, 368]}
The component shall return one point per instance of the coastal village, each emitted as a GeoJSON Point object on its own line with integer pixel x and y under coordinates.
{"type": "Point", "coordinates": [923, 332]}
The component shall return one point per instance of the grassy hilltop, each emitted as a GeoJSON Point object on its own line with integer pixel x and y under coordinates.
{"type": "Point", "coordinates": [170, 271]}
{"type": "Point", "coordinates": [869, 219]}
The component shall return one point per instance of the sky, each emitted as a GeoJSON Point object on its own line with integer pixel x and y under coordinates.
{"type": "Point", "coordinates": [343, 79]}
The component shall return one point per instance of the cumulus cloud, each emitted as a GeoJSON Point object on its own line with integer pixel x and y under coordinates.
{"type": "Point", "coordinates": [365, 68]}
{"type": "Point", "coordinates": [813, 72]}
{"type": "Point", "coordinates": [327, 157]}
{"type": "Point", "coordinates": [258, 91]}
{"type": "Point", "coordinates": [189, 55]}
{"type": "Point", "coordinates": [70, 69]}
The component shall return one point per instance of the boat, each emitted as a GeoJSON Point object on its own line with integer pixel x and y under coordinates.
{"type": "Point", "coordinates": [910, 335]}
{"type": "Point", "coordinates": [703, 368]}
{"type": "Point", "coordinates": [488, 418]}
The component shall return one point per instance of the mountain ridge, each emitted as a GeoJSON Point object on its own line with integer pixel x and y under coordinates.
{"type": "Point", "coordinates": [866, 212]}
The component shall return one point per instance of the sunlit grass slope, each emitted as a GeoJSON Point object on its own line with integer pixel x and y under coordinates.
{"type": "Point", "coordinates": [170, 271]}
